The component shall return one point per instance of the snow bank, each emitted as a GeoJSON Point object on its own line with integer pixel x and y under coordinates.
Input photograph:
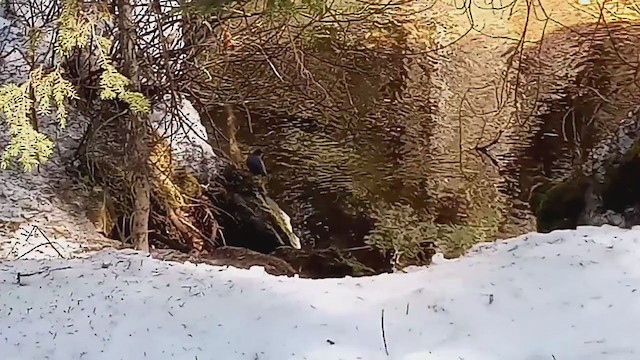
{"type": "Point", "coordinates": [34, 200]}
{"type": "Point", "coordinates": [186, 135]}
{"type": "Point", "coordinates": [568, 295]}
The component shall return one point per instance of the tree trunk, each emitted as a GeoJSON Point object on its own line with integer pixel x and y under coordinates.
{"type": "Point", "coordinates": [138, 150]}
{"type": "Point", "coordinates": [232, 129]}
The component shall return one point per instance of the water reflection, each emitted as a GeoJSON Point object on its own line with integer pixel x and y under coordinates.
{"type": "Point", "coordinates": [330, 175]}
{"type": "Point", "coordinates": [330, 178]}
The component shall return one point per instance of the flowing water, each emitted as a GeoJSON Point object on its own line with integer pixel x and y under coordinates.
{"type": "Point", "coordinates": [328, 179]}
{"type": "Point", "coordinates": [330, 176]}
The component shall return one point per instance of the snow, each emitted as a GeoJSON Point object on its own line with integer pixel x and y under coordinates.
{"type": "Point", "coordinates": [32, 242]}
{"type": "Point", "coordinates": [184, 131]}
{"type": "Point", "coordinates": [48, 199]}
{"type": "Point", "coordinates": [564, 295]}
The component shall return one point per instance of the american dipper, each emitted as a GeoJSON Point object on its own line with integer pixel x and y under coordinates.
{"type": "Point", "coordinates": [255, 163]}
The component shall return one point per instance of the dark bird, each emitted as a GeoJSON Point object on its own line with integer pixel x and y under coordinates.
{"type": "Point", "coordinates": [255, 163]}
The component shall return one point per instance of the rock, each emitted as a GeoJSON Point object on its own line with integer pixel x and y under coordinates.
{"type": "Point", "coordinates": [559, 206]}
{"type": "Point", "coordinates": [244, 259]}
{"type": "Point", "coordinates": [231, 256]}
{"type": "Point", "coordinates": [248, 216]}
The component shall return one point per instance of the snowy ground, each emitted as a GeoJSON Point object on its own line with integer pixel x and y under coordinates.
{"type": "Point", "coordinates": [34, 208]}
{"type": "Point", "coordinates": [565, 295]}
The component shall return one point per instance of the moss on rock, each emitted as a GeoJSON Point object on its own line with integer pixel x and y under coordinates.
{"type": "Point", "coordinates": [558, 205]}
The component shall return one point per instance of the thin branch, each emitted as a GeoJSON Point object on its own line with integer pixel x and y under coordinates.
{"type": "Point", "coordinates": [384, 338]}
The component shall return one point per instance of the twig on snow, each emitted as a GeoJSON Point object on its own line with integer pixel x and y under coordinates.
{"type": "Point", "coordinates": [31, 250]}
{"type": "Point", "coordinates": [48, 271]}
{"type": "Point", "coordinates": [384, 338]}
{"type": "Point", "coordinates": [33, 229]}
